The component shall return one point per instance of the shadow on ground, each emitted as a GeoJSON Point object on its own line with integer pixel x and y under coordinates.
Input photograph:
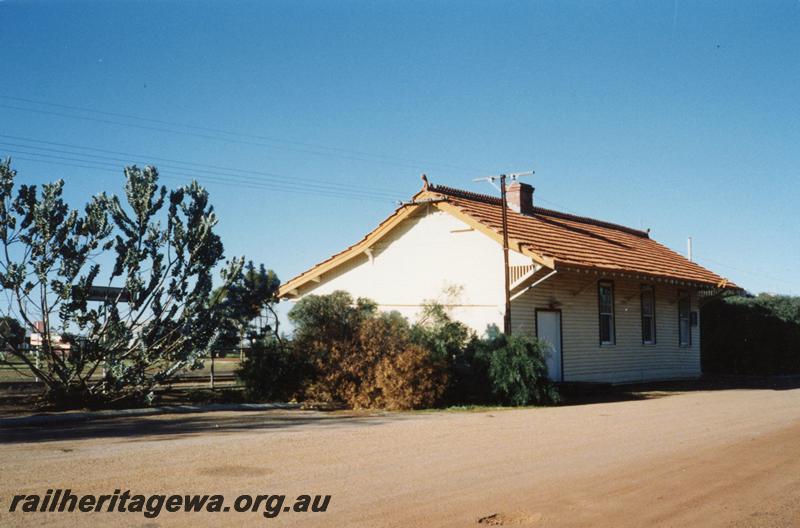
{"type": "Point", "coordinates": [587, 393]}
{"type": "Point", "coordinates": [175, 425]}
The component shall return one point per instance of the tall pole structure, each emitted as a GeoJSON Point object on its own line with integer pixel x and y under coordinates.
{"type": "Point", "coordinates": [506, 270]}
{"type": "Point", "coordinates": [506, 278]}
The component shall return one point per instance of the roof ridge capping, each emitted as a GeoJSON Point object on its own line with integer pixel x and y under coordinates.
{"type": "Point", "coordinates": [461, 193]}
{"type": "Point", "coordinates": [487, 198]}
{"type": "Point", "coordinates": [589, 220]}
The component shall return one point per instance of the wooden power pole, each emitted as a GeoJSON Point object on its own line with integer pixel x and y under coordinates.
{"type": "Point", "coordinates": [506, 270]}
{"type": "Point", "coordinates": [506, 278]}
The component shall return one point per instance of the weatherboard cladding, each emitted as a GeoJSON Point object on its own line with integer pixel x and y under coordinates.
{"type": "Point", "coordinates": [629, 359]}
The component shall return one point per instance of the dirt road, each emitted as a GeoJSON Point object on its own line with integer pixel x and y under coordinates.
{"type": "Point", "coordinates": [722, 458]}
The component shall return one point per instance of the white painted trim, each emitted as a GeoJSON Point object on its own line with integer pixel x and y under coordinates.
{"type": "Point", "coordinates": [517, 283]}
{"type": "Point", "coordinates": [534, 284]}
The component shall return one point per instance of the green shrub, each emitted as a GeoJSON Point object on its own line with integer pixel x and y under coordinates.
{"type": "Point", "coordinates": [515, 369]}
{"type": "Point", "coordinates": [784, 307]}
{"type": "Point", "coordinates": [450, 343]}
{"type": "Point", "coordinates": [273, 372]}
{"type": "Point", "coordinates": [436, 331]}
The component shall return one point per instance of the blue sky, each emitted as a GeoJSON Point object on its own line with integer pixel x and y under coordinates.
{"type": "Point", "coordinates": [683, 117]}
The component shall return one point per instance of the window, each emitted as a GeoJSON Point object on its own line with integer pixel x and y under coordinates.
{"type": "Point", "coordinates": [605, 294]}
{"type": "Point", "coordinates": [648, 315]}
{"type": "Point", "coordinates": [684, 319]}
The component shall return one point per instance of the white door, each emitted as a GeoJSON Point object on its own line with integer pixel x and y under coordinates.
{"type": "Point", "coordinates": [548, 327]}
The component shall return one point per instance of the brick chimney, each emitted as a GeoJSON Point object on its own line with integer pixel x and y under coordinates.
{"type": "Point", "coordinates": [520, 197]}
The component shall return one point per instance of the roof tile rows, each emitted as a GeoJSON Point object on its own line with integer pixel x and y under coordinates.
{"type": "Point", "coordinates": [568, 240]}
{"type": "Point", "coordinates": [575, 241]}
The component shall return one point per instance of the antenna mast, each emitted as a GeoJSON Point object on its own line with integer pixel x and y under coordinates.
{"type": "Point", "coordinates": [506, 279]}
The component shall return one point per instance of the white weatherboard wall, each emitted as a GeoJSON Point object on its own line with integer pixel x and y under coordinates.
{"type": "Point", "coordinates": [423, 258]}
{"type": "Point", "coordinates": [628, 360]}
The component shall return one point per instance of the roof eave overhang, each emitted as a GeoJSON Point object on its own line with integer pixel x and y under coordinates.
{"type": "Point", "coordinates": [292, 288]}
{"type": "Point", "coordinates": [721, 284]}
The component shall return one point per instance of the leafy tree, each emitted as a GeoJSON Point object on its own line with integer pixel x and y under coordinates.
{"type": "Point", "coordinates": [273, 371]}
{"type": "Point", "coordinates": [247, 306]}
{"type": "Point", "coordinates": [158, 321]}
{"type": "Point", "coordinates": [12, 334]}
{"type": "Point", "coordinates": [321, 319]}
{"type": "Point", "coordinates": [785, 307]}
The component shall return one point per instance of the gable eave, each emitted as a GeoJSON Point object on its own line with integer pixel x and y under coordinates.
{"type": "Point", "coordinates": [294, 287]}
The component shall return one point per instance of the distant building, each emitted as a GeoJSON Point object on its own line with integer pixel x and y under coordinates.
{"type": "Point", "coordinates": [57, 342]}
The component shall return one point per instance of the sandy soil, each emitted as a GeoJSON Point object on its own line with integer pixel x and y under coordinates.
{"type": "Point", "coordinates": [721, 458]}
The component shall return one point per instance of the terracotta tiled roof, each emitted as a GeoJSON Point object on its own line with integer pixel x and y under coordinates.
{"type": "Point", "coordinates": [558, 240]}
{"type": "Point", "coordinates": [578, 242]}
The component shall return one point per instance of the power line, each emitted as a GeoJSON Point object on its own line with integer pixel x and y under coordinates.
{"type": "Point", "coordinates": [215, 135]}
{"type": "Point", "coordinates": [408, 162]}
{"type": "Point", "coordinates": [359, 154]}
{"type": "Point", "coordinates": [131, 157]}
{"type": "Point", "coordinates": [215, 177]}
{"type": "Point", "coordinates": [181, 162]}
{"type": "Point", "coordinates": [740, 270]}
{"type": "Point", "coordinates": [265, 174]}
{"type": "Point", "coordinates": [180, 132]}
{"type": "Point", "coordinates": [214, 182]}
{"type": "Point", "coordinates": [287, 187]}
{"type": "Point", "coordinates": [370, 191]}
{"type": "Point", "coordinates": [305, 190]}
{"type": "Point", "coordinates": [266, 177]}
{"type": "Point", "coordinates": [223, 131]}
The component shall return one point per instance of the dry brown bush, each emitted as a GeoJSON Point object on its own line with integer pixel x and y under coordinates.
{"type": "Point", "coordinates": [411, 379]}
{"type": "Point", "coordinates": [379, 367]}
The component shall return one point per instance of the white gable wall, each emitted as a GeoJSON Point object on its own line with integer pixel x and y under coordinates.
{"type": "Point", "coordinates": [423, 258]}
